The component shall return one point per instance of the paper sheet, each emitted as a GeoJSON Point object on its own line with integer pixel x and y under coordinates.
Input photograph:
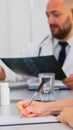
{"type": "Point", "coordinates": [16, 120]}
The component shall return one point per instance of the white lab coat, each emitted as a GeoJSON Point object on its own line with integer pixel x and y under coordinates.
{"type": "Point", "coordinates": [47, 49]}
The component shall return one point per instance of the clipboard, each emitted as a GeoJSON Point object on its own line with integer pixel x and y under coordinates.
{"type": "Point", "coordinates": [32, 66]}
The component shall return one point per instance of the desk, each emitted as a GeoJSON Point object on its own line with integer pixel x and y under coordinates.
{"type": "Point", "coordinates": [12, 110]}
{"type": "Point", "coordinates": [23, 93]}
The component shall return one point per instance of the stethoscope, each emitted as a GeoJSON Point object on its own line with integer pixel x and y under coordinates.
{"type": "Point", "coordinates": [42, 42]}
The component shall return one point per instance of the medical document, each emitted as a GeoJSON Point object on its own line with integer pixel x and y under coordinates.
{"type": "Point", "coordinates": [32, 66]}
{"type": "Point", "coordinates": [17, 120]}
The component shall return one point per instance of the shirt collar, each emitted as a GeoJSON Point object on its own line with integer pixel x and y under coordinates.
{"type": "Point", "coordinates": [70, 42]}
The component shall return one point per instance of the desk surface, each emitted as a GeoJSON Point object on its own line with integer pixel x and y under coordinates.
{"type": "Point", "coordinates": [12, 110]}
{"type": "Point", "coordinates": [23, 93]}
{"type": "Point", "coordinates": [55, 126]}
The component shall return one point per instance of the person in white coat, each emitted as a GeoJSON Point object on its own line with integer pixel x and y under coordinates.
{"type": "Point", "coordinates": [60, 19]}
{"type": "Point", "coordinates": [49, 46]}
{"type": "Point", "coordinates": [61, 26]}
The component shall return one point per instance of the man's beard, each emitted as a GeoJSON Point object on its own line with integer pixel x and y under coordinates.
{"type": "Point", "coordinates": [62, 31]}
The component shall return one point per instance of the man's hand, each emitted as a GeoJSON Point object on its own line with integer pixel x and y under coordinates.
{"type": "Point", "coordinates": [2, 74]}
{"type": "Point", "coordinates": [69, 81]}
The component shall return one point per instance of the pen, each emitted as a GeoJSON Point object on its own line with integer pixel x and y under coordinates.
{"type": "Point", "coordinates": [36, 93]}
{"type": "Point", "coordinates": [62, 88]}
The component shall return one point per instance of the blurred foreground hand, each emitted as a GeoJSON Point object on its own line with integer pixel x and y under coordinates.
{"type": "Point", "coordinates": [66, 116]}
{"type": "Point", "coordinates": [2, 74]}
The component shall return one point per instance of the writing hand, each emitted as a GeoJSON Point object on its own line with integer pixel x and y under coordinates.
{"type": "Point", "coordinates": [35, 109]}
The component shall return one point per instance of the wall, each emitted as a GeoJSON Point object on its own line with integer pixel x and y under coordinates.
{"type": "Point", "coordinates": [4, 29]}
{"type": "Point", "coordinates": [39, 19]}
{"type": "Point", "coordinates": [21, 21]}
{"type": "Point", "coordinates": [19, 25]}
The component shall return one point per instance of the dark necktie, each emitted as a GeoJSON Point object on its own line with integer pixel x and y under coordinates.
{"type": "Point", "coordinates": [62, 54]}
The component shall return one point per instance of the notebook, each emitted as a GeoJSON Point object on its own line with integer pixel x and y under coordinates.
{"type": "Point", "coordinates": [16, 120]}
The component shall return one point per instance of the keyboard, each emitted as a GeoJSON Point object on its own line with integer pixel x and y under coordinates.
{"type": "Point", "coordinates": [17, 84]}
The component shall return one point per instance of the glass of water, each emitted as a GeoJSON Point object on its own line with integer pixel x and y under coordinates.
{"type": "Point", "coordinates": [47, 89]}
